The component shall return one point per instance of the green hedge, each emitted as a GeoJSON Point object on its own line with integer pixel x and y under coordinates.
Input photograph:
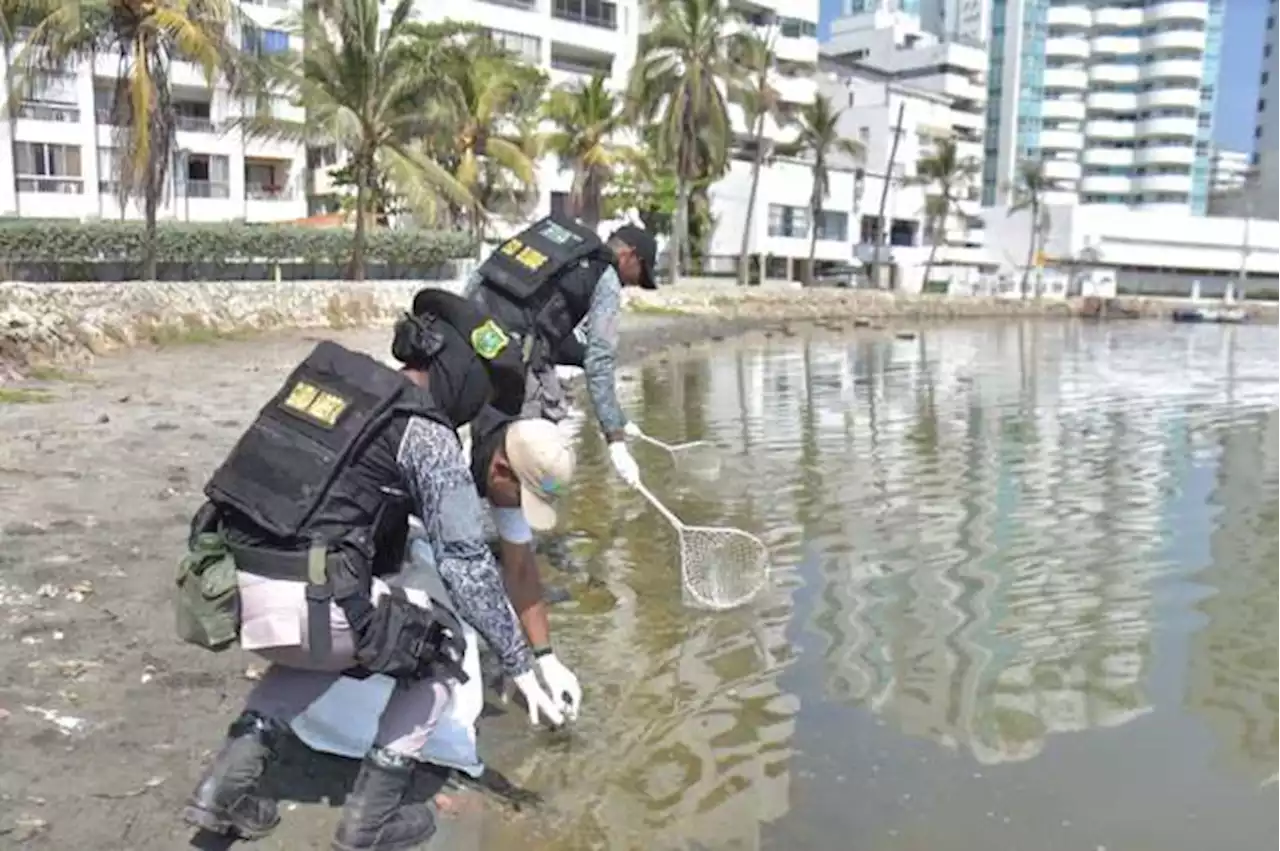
{"type": "Point", "coordinates": [120, 242]}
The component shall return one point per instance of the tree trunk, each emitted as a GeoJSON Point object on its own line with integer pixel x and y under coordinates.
{"type": "Point", "coordinates": [815, 204]}
{"type": "Point", "coordinates": [1031, 250]}
{"type": "Point", "coordinates": [679, 233]}
{"type": "Point", "coordinates": [356, 272]}
{"type": "Point", "coordinates": [744, 271]}
{"type": "Point", "coordinates": [149, 205]}
{"type": "Point", "coordinates": [933, 246]}
{"type": "Point", "coordinates": [11, 115]}
{"type": "Point", "coordinates": [813, 246]}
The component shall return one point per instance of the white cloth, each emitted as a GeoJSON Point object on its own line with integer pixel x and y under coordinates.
{"type": "Point", "coordinates": [344, 720]}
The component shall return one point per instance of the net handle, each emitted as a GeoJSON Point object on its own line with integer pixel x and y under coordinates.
{"type": "Point", "coordinates": [670, 447]}
{"type": "Point", "coordinates": [662, 509]}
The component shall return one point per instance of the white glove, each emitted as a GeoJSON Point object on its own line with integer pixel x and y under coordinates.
{"type": "Point", "coordinates": [631, 429]}
{"type": "Point", "coordinates": [563, 685]}
{"type": "Point", "coordinates": [539, 703]}
{"type": "Point", "coordinates": [626, 466]}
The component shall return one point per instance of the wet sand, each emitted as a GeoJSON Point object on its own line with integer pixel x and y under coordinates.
{"type": "Point", "coordinates": [106, 718]}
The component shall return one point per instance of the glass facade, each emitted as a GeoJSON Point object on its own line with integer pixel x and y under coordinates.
{"type": "Point", "coordinates": [995, 74]}
{"type": "Point", "coordinates": [1202, 166]}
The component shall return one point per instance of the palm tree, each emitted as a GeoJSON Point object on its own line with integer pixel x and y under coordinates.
{"type": "Point", "coordinates": [586, 117]}
{"type": "Point", "coordinates": [14, 16]}
{"type": "Point", "coordinates": [819, 135]}
{"type": "Point", "coordinates": [484, 92]}
{"type": "Point", "coordinates": [363, 86]}
{"type": "Point", "coordinates": [759, 100]}
{"type": "Point", "coordinates": [950, 176]}
{"type": "Point", "coordinates": [678, 85]}
{"type": "Point", "coordinates": [146, 37]}
{"type": "Point", "coordinates": [1028, 193]}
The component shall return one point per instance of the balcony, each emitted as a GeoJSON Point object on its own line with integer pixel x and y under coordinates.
{"type": "Point", "coordinates": [268, 192]}
{"type": "Point", "coordinates": [58, 112]}
{"type": "Point", "coordinates": [195, 124]}
{"type": "Point", "coordinates": [592, 13]}
{"type": "Point", "coordinates": [46, 184]}
{"type": "Point", "coordinates": [204, 189]}
{"type": "Point", "coordinates": [527, 5]}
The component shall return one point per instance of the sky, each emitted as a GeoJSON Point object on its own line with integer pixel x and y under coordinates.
{"type": "Point", "coordinates": [1238, 81]}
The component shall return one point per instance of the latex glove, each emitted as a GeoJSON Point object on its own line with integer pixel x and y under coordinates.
{"type": "Point", "coordinates": [539, 703]}
{"type": "Point", "coordinates": [631, 429]}
{"type": "Point", "coordinates": [626, 466]}
{"type": "Point", "coordinates": [562, 684]}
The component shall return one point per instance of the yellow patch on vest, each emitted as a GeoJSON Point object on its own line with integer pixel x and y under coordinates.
{"type": "Point", "coordinates": [531, 258]}
{"type": "Point", "coordinates": [511, 247]}
{"type": "Point", "coordinates": [311, 402]}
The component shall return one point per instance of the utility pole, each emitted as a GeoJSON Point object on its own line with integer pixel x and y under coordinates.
{"type": "Point", "coordinates": [882, 232]}
{"type": "Point", "coordinates": [1246, 192]}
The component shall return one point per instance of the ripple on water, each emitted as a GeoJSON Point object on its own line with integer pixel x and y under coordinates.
{"type": "Point", "coordinates": [989, 541]}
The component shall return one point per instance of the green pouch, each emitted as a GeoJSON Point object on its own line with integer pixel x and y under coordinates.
{"type": "Point", "coordinates": [207, 603]}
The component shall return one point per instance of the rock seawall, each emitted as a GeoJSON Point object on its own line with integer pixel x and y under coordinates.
{"type": "Point", "coordinates": [68, 323]}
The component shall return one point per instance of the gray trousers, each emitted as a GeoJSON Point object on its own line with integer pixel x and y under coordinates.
{"type": "Point", "coordinates": [294, 681]}
{"type": "Point", "coordinates": [544, 395]}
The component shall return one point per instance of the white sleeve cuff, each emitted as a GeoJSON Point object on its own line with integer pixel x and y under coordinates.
{"type": "Point", "coordinates": [512, 527]}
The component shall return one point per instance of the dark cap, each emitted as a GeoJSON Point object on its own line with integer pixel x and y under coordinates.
{"type": "Point", "coordinates": [487, 342]}
{"type": "Point", "coordinates": [646, 249]}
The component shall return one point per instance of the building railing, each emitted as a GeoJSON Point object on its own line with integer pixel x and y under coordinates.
{"type": "Point", "coordinates": [192, 124]}
{"type": "Point", "coordinates": [529, 5]}
{"type": "Point", "coordinates": [204, 189]}
{"type": "Point", "coordinates": [51, 184]}
{"type": "Point", "coordinates": [265, 192]}
{"type": "Point", "coordinates": [576, 11]}
{"type": "Point", "coordinates": [62, 113]}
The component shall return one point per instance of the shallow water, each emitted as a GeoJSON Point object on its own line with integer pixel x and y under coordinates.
{"type": "Point", "coordinates": [1024, 598]}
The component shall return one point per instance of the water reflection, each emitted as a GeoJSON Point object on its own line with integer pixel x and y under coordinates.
{"type": "Point", "coordinates": [987, 537]}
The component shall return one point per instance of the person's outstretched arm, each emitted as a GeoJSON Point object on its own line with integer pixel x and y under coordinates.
{"type": "Point", "coordinates": [452, 513]}
{"type": "Point", "coordinates": [601, 359]}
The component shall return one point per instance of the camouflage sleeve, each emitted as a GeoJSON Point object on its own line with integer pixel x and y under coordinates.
{"type": "Point", "coordinates": [600, 328]}
{"type": "Point", "coordinates": [452, 513]}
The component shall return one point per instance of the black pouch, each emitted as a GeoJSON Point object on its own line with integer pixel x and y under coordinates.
{"type": "Point", "coordinates": [410, 642]}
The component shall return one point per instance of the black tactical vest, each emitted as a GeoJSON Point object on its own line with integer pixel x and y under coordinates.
{"type": "Point", "coordinates": [319, 464]}
{"type": "Point", "coordinates": [539, 283]}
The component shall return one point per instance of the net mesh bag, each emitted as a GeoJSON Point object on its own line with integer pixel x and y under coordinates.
{"type": "Point", "coordinates": [721, 568]}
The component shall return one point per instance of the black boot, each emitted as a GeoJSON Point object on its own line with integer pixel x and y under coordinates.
{"type": "Point", "coordinates": [224, 801]}
{"type": "Point", "coordinates": [374, 819]}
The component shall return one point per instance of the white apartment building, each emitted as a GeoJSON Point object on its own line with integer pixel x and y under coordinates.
{"type": "Point", "coordinates": [572, 40]}
{"type": "Point", "coordinates": [1228, 171]}
{"type": "Point", "coordinates": [963, 21]}
{"type": "Point", "coordinates": [879, 65]}
{"type": "Point", "coordinates": [1115, 97]}
{"type": "Point", "coordinates": [780, 222]}
{"type": "Point", "coordinates": [1144, 251]}
{"type": "Point", "coordinates": [63, 144]}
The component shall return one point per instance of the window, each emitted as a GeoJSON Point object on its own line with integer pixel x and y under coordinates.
{"type": "Point", "coordinates": [792, 222]}
{"type": "Point", "coordinates": [262, 42]}
{"type": "Point", "coordinates": [45, 167]}
{"type": "Point", "coordinates": [527, 47]}
{"type": "Point", "coordinates": [797, 28]}
{"type": "Point", "coordinates": [869, 230]}
{"type": "Point", "coordinates": [1262, 104]}
{"type": "Point", "coordinates": [108, 171]}
{"type": "Point", "coordinates": [1266, 75]}
{"type": "Point", "coordinates": [833, 225]}
{"type": "Point", "coordinates": [595, 13]}
{"type": "Point", "coordinates": [52, 97]}
{"type": "Point", "coordinates": [206, 175]}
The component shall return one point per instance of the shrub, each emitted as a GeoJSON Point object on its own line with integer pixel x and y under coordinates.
{"type": "Point", "coordinates": [71, 250]}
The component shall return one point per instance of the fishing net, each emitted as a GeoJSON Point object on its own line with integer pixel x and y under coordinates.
{"type": "Point", "coordinates": [721, 568]}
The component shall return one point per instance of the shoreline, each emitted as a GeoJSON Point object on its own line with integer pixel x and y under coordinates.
{"type": "Point", "coordinates": [70, 325]}
{"type": "Point", "coordinates": [99, 482]}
